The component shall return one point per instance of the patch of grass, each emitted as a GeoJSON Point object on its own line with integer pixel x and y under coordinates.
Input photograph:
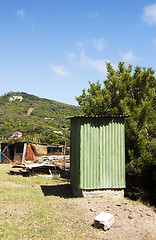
{"type": "Point", "coordinates": [27, 213]}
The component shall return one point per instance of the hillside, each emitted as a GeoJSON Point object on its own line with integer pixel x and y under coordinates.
{"type": "Point", "coordinates": [35, 117]}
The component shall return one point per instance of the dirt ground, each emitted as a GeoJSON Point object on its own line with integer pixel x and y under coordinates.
{"type": "Point", "coordinates": [38, 207]}
{"type": "Point", "coordinates": [133, 220]}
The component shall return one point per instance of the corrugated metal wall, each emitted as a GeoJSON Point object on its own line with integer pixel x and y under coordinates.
{"type": "Point", "coordinates": [75, 152]}
{"type": "Point", "coordinates": [97, 152]}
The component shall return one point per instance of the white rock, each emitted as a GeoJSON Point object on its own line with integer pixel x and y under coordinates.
{"type": "Point", "coordinates": [104, 220]}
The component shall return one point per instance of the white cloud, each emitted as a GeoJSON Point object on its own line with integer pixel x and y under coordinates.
{"type": "Point", "coordinates": [20, 13]}
{"type": "Point", "coordinates": [32, 24]}
{"type": "Point", "coordinates": [97, 64]}
{"type": "Point", "coordinates": [80, 44]}
{"type": "Point", "coordinates": [72, 57]}
{"type": "Point", "coordinates": [61, 71]}
{"type": "Point", "coordinates": [93, 15]}
{"type": "Point", "coordinates": [128, 56]}
{"type": "Point", "coordinates": [149, 15]}
{"type": "Point", "coordinates": [26, 19]}
{"type": "Point", "coordinates": [99, 44]}
{"type": "Point", "coordinates": [82, 60]}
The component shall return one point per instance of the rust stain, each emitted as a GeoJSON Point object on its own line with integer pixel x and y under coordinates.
{"type": "Point", "coordinates": [30, 153]}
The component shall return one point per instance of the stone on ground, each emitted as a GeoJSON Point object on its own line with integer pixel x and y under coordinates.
{"type": "Point", "coordinates": [104, 220]}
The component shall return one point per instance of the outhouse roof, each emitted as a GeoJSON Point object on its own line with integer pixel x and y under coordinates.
{"type": "Point", "coordinates": [99, 116]}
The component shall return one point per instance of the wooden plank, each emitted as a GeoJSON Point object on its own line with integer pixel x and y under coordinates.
{"type": "Point", "coordinates": [6, 157]}
{"type": "Point", "coordinates": [24, 152]}
{"type": "Point", "coordinates": [4, 149]}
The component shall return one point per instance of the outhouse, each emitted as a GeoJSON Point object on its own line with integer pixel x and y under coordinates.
{"type": "Point", "coordinates": [97, 155]}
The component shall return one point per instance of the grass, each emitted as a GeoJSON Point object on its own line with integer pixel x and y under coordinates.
{"type": "Point", "coordinates": [39, 208]}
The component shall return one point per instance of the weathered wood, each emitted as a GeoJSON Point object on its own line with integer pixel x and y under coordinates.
{"type": "Point", "coordinates": [6, 157]}
{"type": "Point", "coordinates": [65, 156]}
{"type": "Point", "coordinates": [4, 149]}
{"type": "Point", "coordinates": [24, 152]}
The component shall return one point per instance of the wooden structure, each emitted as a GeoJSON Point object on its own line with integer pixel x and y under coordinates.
{"type": "Point", "coordinates": [35, 157]}
{"type": "Point", "coordinates": [97, 156]}
{"type": "Point", "coordinates": [19, 152]}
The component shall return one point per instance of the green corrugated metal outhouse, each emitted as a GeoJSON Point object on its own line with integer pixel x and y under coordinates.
{"type": "Point", "coordinates": [97, 152]}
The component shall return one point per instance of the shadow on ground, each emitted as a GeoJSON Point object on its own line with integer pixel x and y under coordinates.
{"type": "Point", "coordinates": [63, 190]}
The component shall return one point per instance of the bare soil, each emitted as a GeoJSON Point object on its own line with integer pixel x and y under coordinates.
{"type": "Point", "coordinates": [133, 220]}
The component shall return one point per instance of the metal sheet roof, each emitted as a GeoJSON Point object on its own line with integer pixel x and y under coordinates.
{"type": "Point", "coordinates": [99, 116]}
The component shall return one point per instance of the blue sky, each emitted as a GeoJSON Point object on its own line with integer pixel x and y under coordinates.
{"type": "Point", "coordinates": [52, 48]}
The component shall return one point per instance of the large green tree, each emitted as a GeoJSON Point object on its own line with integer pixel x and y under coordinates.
{"type": "Point", "coordinates": [54, 138]}
{"type": "Point", "coordinates": [131, 92]}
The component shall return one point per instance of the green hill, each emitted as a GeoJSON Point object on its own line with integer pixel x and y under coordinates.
{"type": "Point", "coordinates": [35, 117]}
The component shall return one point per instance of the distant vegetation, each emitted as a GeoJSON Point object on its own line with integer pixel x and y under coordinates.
{"type": "Point", "coordinates": [37, 118]}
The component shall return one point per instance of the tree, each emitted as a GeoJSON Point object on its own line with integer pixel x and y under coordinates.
{"type": "Point", "coordinates": [133, 93]}
{"type": "Point", "coordinates": [53, 138]}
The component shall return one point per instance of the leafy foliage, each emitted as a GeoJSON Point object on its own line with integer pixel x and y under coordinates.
{"type": "Point", "coordinates": [54, 138]}
{"type": "Point", "coordinates": [133, 93]}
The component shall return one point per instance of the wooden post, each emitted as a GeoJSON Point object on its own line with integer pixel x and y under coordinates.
{"type": "Point", "coordinates": [24, 152]}
{"type": "Point", "coordinates": [4, 149]}
{"type": "Point", "coordinates": [5, 155]}
{"type": "Point", "coordinates": [65, 156]}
